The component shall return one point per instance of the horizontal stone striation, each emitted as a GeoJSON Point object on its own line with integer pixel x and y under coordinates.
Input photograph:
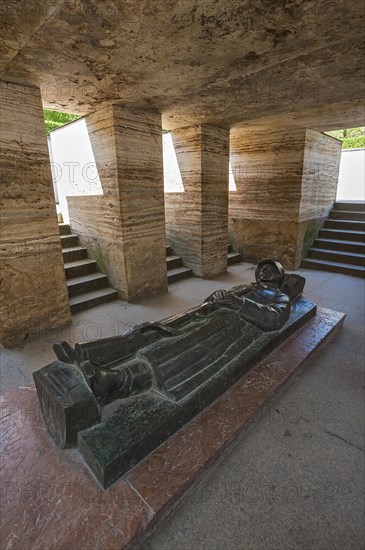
{"type": "Point", "coordinates": [267, 169]}
{"type": "Point", "coordinates": [183, 210]}
{"type": "Point", "coordinates": [140, 175]}
{"type": "Point", "coordinates": [321, 165]}
{"type": "Point", "coordinates": [33, 288]}
{"type": "Point", "coordinates": [260, 239]}
{"type": "Point", "coordinates": [196, 220]}
{"type": "Point", "coordinates": [285, 183]}
{"type": "Point", "coordinates": [124, 229]}
{"type": "Point", "coordinates": [97, 219]}
{"type": "Point", "coordinates": [322, 155]}
{"type": "Point", "coordinates": [215, 163]}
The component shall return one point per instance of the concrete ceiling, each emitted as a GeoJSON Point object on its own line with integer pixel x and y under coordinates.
{"type": "Point", "coordinates": [213, 61]}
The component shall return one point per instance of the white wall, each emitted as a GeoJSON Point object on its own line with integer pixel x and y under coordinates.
{"type": "Point", "coordinates": [171, 172]}
{"type": "Point", "coordinates": [73, 164]}
{"type": "Point", "coordinates": [52, 171]}
{"type": "Point", "coordinates": [351, 181]}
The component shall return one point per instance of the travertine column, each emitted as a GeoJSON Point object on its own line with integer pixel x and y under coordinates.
{"type": "Point", "coordinates": [124, 229]}
{"type": "Point", "coordinates": [197, 219]}
{"type": "Point", "coordinates": [33, 286]}
{"type": "Point", "coordinates": [285, 186]}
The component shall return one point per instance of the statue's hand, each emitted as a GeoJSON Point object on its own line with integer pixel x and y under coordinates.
{"type": "Point", "coordinates": [217, 296]}
{"type": "Point", "coordinates": [226, 299]}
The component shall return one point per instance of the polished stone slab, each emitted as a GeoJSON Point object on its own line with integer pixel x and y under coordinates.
{"type": "Point", "coordinates": [49, 499]}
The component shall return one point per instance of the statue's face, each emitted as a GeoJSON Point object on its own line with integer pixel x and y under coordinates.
{"type": "Point", "coordinates": [267, 273]}
{"type": "Point", "coordinates": [270, 272]}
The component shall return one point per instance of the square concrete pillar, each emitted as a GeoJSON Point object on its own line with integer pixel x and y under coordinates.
{"type": "Point", "coordinates": [34, 295]}
{"type": "Point", "coordinates": [124, 229]}
{"type": "Point", "coordinates": [197, 218]}
{"type": "Point", "coordinates": [286, 184]}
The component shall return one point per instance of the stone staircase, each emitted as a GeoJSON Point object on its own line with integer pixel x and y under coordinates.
{"type": "Point", "coordinates": [87, 287]}
{"type": "Point", "coordinates": [233, 257]}
{"type": "Point", "coordinates": [340, 245]}
{"type": "Point", "coordinates": [176, 271]}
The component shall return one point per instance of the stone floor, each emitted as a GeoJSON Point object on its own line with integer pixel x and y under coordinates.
{"type": "Point", "coordinates": [295, 479]}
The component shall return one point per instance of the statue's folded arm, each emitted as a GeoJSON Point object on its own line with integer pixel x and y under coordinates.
{"type": "Point", "coordinates": [268, 309]}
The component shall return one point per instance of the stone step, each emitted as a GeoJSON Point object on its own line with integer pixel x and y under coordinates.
{"type": "Point", "coordinates": [356, 271]}
{"type": "Point", "coordinates": [173, 261]}
{"type": "Point", "coordinates": [337, 256]}
{"type": "Point", "coordinates": [337, 244]}
{"type": "Point", "coordinates": [169, 251]}
{"type": "Point", "coordinates": [91, 299]}
{"type": "Point", "coordinates": [64, 228]}
{"type": "Point", "coordinates": [74, 253]}
{"type": "Point", "coordinates": [79, 268]}
{"type": "Point", "coordinates": [86, 283]}
{"type": "Point", "coordinates": [348, 215]}
{"type": "Point", "coordinates": [178, 273]}
{"type": "Point", "coordinates": [344, 225]}
{"type": "Point", "coordinates": [67, 241]}
{"type": "Point", "coordinates": [233, 258]}
{"type": "Point", "coordinates": [341, 234]}
{"type": "Point", "coordinates": [359, 206]}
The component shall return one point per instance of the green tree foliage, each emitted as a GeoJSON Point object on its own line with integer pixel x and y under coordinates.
{"type": "Point", "coordinates": [353, 142]}
{"type": "Point", "coordinates": [352, 138]}
{"type": "Point", "coordinates": [55, 119]}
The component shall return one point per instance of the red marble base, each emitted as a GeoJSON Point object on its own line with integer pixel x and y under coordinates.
{"type": "Point", "coordinates": [49, 499]}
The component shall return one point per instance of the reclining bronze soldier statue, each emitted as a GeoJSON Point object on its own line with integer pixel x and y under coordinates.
{"type": "Point", "coordinates": [113, 398]}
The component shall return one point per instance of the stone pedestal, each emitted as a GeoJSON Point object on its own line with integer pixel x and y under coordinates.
{"type": "Point", "coordinates": [124, 229]}
{"type": "Point", "coordinates": [33, 288]}
{"type": "Point", "coordinates": [285, 186]}
{"type": "Point", "coordinates": [50, 500]}
{"type": "Point", "coordinates": [196, 219]}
